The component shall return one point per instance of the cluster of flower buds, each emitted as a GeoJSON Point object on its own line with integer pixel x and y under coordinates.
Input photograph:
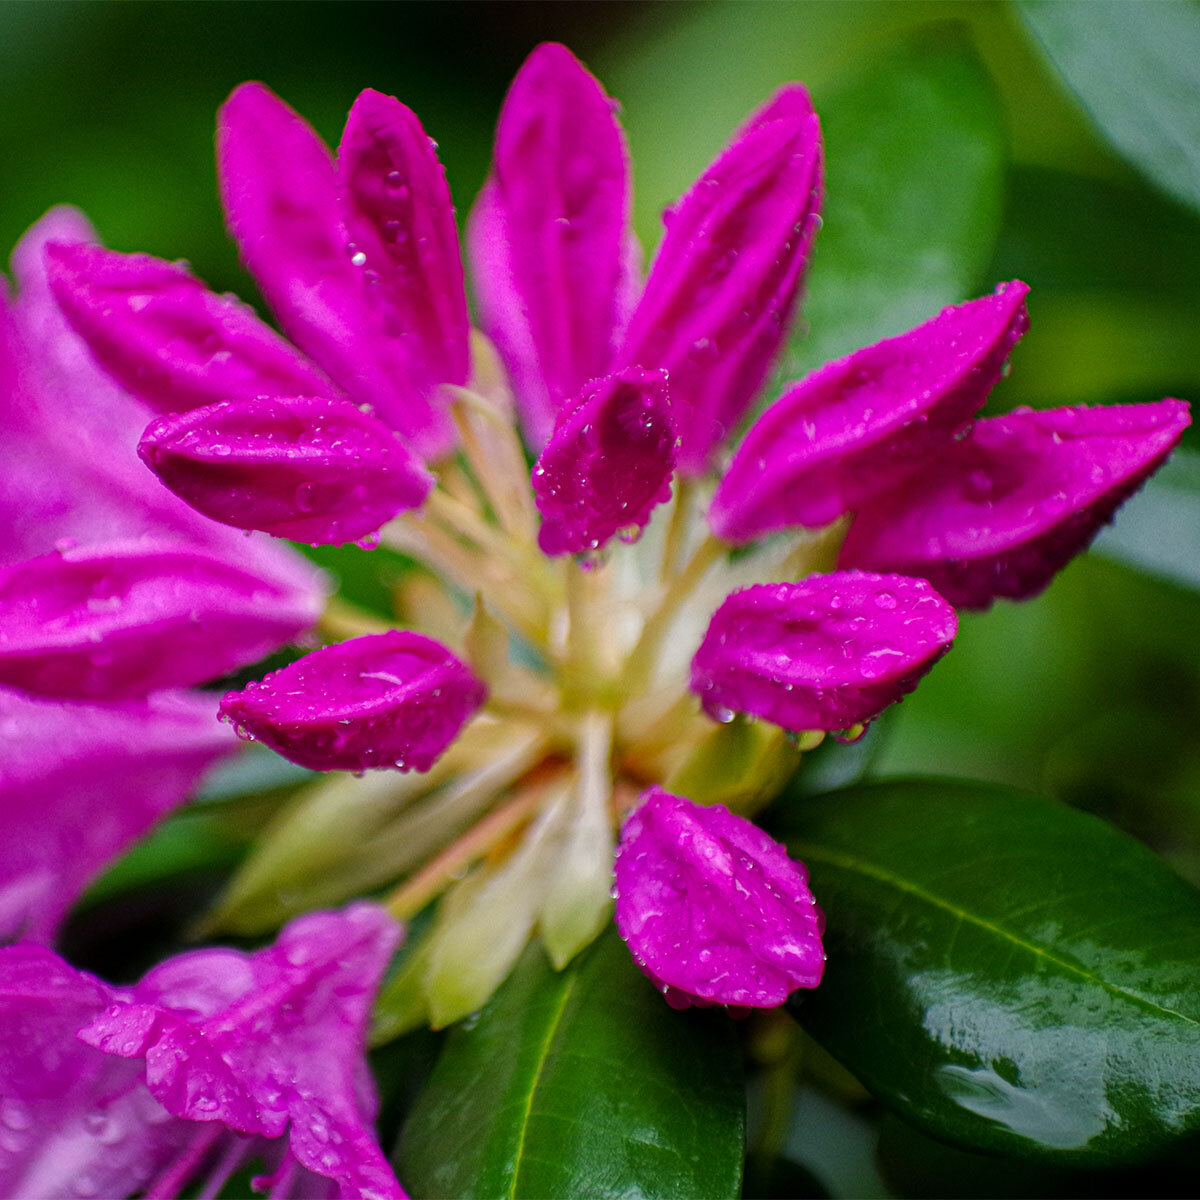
{"type": "Point", "coordinates": [553, 695]}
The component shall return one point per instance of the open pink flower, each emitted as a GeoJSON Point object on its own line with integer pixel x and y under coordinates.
{"type": "Point", "coordinates": [213, 1059]}
{"type": "Point", "coordinates": [80, 782]}
{"type": "Point", "coordinates": [114, 595]}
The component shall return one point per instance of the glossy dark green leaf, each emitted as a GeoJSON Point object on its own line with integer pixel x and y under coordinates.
{"type": "Point", "coordinates": [914, 154]}
{"type": "Point", "coordinates": [1135, 65]}
{"type": "Point", "coordinates": [1007, 973]}
{"type": "Point", "coordinates": [580, 1084]}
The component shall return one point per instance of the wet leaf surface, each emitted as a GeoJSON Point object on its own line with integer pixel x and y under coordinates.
{"type": "Point", "coordinates": [581, 1083]}
{"type": "Point", "coordinates": [1007, 973]}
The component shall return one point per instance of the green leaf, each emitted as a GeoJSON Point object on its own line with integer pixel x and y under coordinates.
{"type": "Point", "coordinates": [1009, 974]}
{"type": "Point", "coordinates": [914, 153]}
{"type": "Point", "coordinates": [580, 1084]}
{"type": "Point", "coordinates": [1136, 68]}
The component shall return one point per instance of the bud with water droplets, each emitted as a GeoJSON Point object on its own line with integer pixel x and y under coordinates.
{"type": "Point", "coordinates": [858, 426]}
{"type": "Point", "coordinates": [1000, 511]}
{"type": "Point", "coordinates": [303, 467]}
{"type": "Point", "coordinates": [393, 699]}
{"type": "Point", "coordinates": [607, 464]}
{"type": "Point", "coordinates": [827, 653]}
{"type": "Point", "coordinates": [163, 335]}
{"type": "Point", "coordinates": [549, 235]}
{"type": "Point", "coordinates": [725, 282]}
{"type": "Point", "coordinates": [712, 909]}
{"type": "Point", "coordinates": [284, 203]}
{"type": "Point", "coordinates": [398, 212]}
{"type": "Point", "coordinates": [120, 621]}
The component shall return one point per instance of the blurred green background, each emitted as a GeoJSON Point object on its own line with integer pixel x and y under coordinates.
{"type": "Point", "coordinates": [957, 157]}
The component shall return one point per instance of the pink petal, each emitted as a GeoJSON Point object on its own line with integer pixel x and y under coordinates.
{"type": "Point", "coordinates": [302, 467]}
{"type": "Point", "coordinates": [399, 215]}
{"type": "Point", "coordinates": [723, 288]}
{"type": "Point", "coordinates": [71, 1119]}
{"type": "Point", "coordinates": [549, 235]}
{"type": "Point", "coordinates": [391, 699]}
{"type": "Point", "coordinates": [68, 461]}
{"type": "Point", "coordinates": [607, 464]}
{"type": "Point", "coordinates": [122, 620]}
{"type": "Point", "coordinates": [272, 1042]}
{"type": "Point", "coordinates": [80, 783]}
{"type": "Point", "coordinates": [856, 427]}
{"type": "Point", "coordinates": [828, 653]}
{"type": "Point", "coordinates": [1000, 511]}
{"type": "Point", "coordinates": [280, 191]}
{"type": "Point", "coordinates": [713, 910]}
{"type": "Point", "coordinates": [163, 335]}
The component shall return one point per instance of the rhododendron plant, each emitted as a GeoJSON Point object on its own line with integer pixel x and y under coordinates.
{"type": "Point", "coordinates": [635, 583]}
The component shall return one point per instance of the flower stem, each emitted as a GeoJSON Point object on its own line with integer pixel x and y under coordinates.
{"type": "Point", "coordinates": [470, 571]}
{"type": "Point", "coordinates": [493, 451]}
{"type": "Point", "coordinates": [408, 900]}
{"type": "Point", "coordinates": [677, 528]}
{"type": "Point", "coordinates": [643, 659]}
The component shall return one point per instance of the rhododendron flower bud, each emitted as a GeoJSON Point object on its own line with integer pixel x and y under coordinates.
{"type": "Point", "coordinates": [550, 234]}
{"type": "Point", "coordinates": [401, 221]}
{"type": "Point", "coordinates": [233, 1057]}
{"type": "Point", "coordinates": [303, 467]}
{"type": "Point", "coordinates": [828, 653]}
{"type": "Point", "coordinates": [284, 204]}
{"type": "Point", "coordinates": [393, 699]}
{"type": "Point", "coordinates": [118, 621]}
{"type": "Point", "coordinates": [723, 287]}
{"type": "Point", "coordinates": [856, 427]}
{"type": "Point", "coordinates": [162, 334]}
{"type": "Point", "coordinates": [713, 910]}
{"type": "Point", "coordinates": [1004, 508]}
{"type": "Point", "coordinates": [607, 464]}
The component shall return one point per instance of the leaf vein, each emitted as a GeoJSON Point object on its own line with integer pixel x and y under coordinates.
{"type": "Point", "coordinates": [809, 851]}
{"type": "Point", "coordinates": [541, 1058]}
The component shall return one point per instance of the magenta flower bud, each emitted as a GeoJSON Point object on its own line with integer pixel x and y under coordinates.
{"type": "Point", "coordinates": [401, 220]}
{"type": "Point", "coordinates": [281, 193]}
{"type": "Point", "coordinates": [607, 464]}
{"type": "Point", "coordinates": [393, 699]}
{"type": "Point", "coordinates": [303, 467]}
{"type": "Point", "coordinates": [712, 909]}
{"type": "Point", "coordinates": [120, 621]}
{"type": "Point", "coordinates": [549, 234]}
{"type": "Point", "coordinates": [163, 335]}
{"type": "Point", "coordinates": [829, 653]}
{"type": "Point", "coordinates": [1000, 511]}
{"type": "Point", "coordinates": [723, 287]}
{"type": "Point", "coordinates": [858, 426]}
